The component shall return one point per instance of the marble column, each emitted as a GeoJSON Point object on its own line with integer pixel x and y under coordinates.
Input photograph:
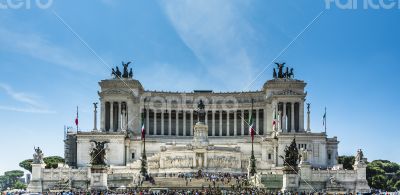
{"type": "Point", "coordinates": [301, 115]}
{"type": "Point", "coordinates": [184, 123]}
{"type": "Point", "coordinates": [213, 123]}
{"type": "Point", "coordinates": [155, 122]}
{"type": "Point", "coordinates": [162, 122]}
{"type": "Point", "coordinates": [147, 122]}
{"type": "Point", "coordinates": [111, 116]}
{"type": "Point", "coordinates": [267, 121]}
{"type": "Point", "coordinates": [292, 117]}
{"type": "Point", "coordinates": [227, 123]}
{"type": "Point", "coordinates": [220, 123]}
{"type": "Point", "coordinates": [242, 121]}
{"type": "Point", "coordinates": [103, 115]}
{"type": "Point", "coordinates": [169, 122]}
{"type": "Point", "coordinates": [177, 122]}
{"type": "Point", "coordinates": [257, 129]}
{"type": "Point", "coordinates": [119, 116]}
{"type": "Point", "coordinates": [284, 118]}
{"type": "Point", "coordinates": [234, 123]}
{"type": "Point", "coordinates": [191, 122]}
{"type": "Point", "coordinates": [130, 118]}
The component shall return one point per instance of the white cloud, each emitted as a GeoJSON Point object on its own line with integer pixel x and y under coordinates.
{"type": "Point", "coordinates": [218, 35]}
{"type": "Point", "coordinates": [161, 77]}
{"type": "Point", "coordinates": [27, 110]}
{"type": "Point", "coordinates": [19, 96]}
{"type": "Point", "coordinates": [36, 46]}
{"type": "Point", "coordinates": [31, 104]}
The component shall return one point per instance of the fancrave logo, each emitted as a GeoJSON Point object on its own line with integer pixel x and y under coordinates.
{"type": "Point", "coordinates": [25, 4]}
{"type": "Point", "coordinates": [362, 4]}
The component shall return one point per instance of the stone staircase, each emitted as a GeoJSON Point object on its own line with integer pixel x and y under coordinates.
{"type": "Point", "coordinates": [174, 182]}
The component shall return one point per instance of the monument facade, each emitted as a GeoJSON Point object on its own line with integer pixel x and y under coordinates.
{"type": "Point", "coordinates": [197, 131]}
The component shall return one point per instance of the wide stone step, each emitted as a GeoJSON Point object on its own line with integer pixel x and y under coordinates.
{"type": "Point", "coordinates": [180, 182]}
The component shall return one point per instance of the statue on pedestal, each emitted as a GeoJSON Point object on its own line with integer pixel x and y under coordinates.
{"type": "Point", "coordinates": [126, 73]}
{"type": "Point", "coordinates": [130, 73]}
{"type": "Point", "coordinates": [281, 73]}
{"type": "Point", "coordinates": [303, 156]}
{"type": "Point", "coordinates": [291, 74]}
{"type": "Point", "coordinates": [117, 73]}
{"type": "Point", "coordinates": [280, 69]}
{"type": "Point", "coordinates": [359, 159]}
{"type": "Point", "coordinates": [38, 156]}
{"type": "Point", "coordinates": [201, 112]}
{"type": "Point", "coordinates": [95, 116]}
{"type": "Point", "coordinates": [98, 153]}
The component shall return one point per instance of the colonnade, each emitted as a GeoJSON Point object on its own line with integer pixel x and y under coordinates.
{"type": "Point", "coordinates": [116, 115]}
{"type": "Point", "coordinates": [220, 122]}
{"type": "Point", "coordinates": [291, 114]}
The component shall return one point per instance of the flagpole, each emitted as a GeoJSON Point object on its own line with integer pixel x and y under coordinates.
{"type": "Point", "coordinates": [252, 158]}
{"type": "Point", "coordinates": [143, 169]}
{"type": "Point", "coordinates": [77, 119]}
{"type": "Point", "coordinates": [325, 119]}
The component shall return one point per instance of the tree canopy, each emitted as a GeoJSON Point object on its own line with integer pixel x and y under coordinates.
{"type": "Point", "coordinates": [381, 174]}
{"type": "Point", "coordinates": [384, 175]}
{"type": "Point", "coordinates": [50, 161]}
{"type": "Point", "coordinates": [346, 161]}
{"type": "Point", "coordinates": [10, 178]}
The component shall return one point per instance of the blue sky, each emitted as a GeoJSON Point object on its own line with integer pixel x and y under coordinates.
{"type": "Point", "coordinates": [349, 58]}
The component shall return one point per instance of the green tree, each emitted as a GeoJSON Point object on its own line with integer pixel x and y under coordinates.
{"type": "Point", "coordinates": [346, 161]}
{"type": "Point", "coordinates": [397, 185]}
{"type": "Point", "coordinates": [19, 185]}
{"type": "Point", "coordinates": [383, 174]}
{"type": "Point", "coordinates": [379, 182]}
{"type": "Point", "coordinates": [50, 161]}
{"type": "Point", "coordinates": [4, 182]}
{"type": "Point", "coordinates": [10, 178]}
{"type": "Point", "coordinates": [14, 175]}
{"type": "Point", "coordinates": [26, 164]}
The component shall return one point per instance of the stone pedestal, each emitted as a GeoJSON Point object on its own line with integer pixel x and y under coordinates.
{"type": "Point", "coordinates": [35, 185]}
{"type": "Point", "coordinates": [290, 182]}
{"type": "Point", "coordinates": [98, 179]}
{"type": "Point", "coordinates": [200, 137]}
{"type": "Point", "coordinates": [361, 182]}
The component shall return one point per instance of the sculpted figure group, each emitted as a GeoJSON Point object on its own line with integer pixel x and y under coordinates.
{"type": "Point", "coordinates": [281, 74]}
{"type": "Point", "coordinates": [98, 153]}
{"type": "Point", "coordinates": [38, 156]}
{"type": "Point", "coordinates": [118, 74]}
{"type": "Point", "coordinates": [178, 162]}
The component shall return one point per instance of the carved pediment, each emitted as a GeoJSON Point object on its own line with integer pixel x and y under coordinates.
{"type": "Point", "coordinates": [116, 91]}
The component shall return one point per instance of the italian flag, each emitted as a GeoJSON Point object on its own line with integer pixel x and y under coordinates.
{"type": "Point", "coordinates": [251, 126]}
{"type": "Point", "coordinates": [274, 120]}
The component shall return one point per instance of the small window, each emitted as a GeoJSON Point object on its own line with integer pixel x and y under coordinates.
{"type": "Point", "coordinates": [269, 156]}
{"type": "Point", "coordinates": [133, 155]}
{"type": "Point", "coordinates": [329, 156]}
